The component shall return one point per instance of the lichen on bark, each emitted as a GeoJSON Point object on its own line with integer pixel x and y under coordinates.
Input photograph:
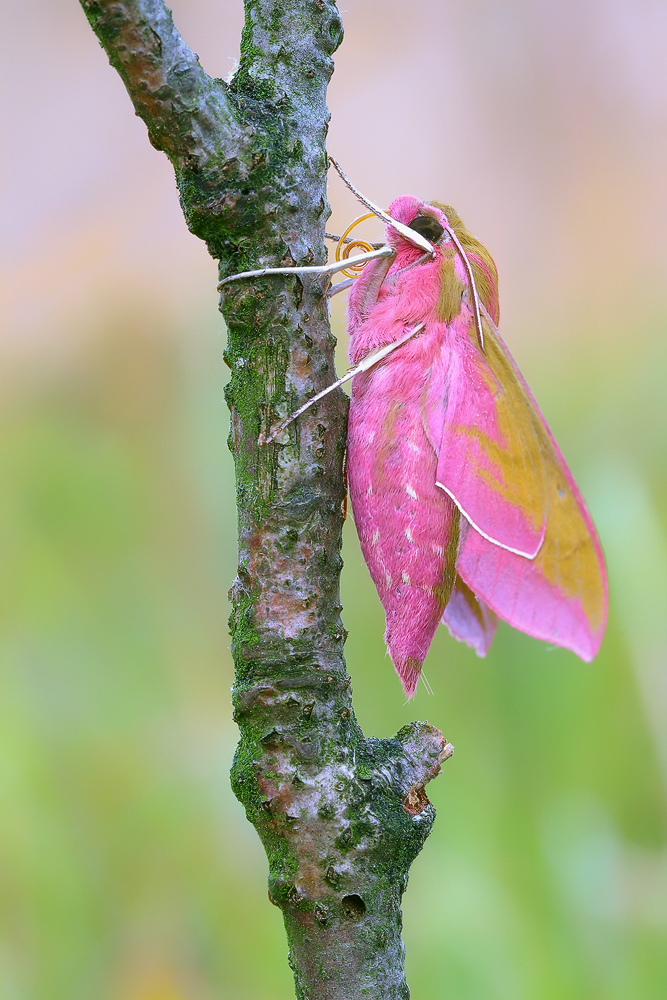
{"type": "Point", "coordinates": [341, 816]}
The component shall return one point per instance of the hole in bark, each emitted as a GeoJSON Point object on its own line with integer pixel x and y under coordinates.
{"type": "Point", "coordinates": [335, 31]}
{"type": "Point", "coordinates": [353, 906]}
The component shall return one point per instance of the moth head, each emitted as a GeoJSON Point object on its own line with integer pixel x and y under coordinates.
{"type": "Point", "coordinates": [427, 220]}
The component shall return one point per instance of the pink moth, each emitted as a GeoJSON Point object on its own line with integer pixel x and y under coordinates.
{"type": "Point", "coordinates": [465, 508]}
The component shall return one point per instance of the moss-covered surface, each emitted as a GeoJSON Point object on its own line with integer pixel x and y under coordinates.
{"type": "Point", "coordinates": [341, 816]}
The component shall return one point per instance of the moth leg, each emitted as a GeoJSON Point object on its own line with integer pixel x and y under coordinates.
{"type": "Point", "coordinates": [322, 269]}
{"type": "Point", "coordinates": [340, 286]}
{"type": "Point", "coordinates": [367, 289]}
{"type": "Point", "coordinates": [363, 366]}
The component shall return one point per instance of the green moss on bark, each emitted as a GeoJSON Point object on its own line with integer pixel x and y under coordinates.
{"type": "Point", "coordinates": [341, 817]}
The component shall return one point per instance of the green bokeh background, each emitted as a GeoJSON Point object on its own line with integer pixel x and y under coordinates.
{"type": "Point", "coordinates": [127, 869]}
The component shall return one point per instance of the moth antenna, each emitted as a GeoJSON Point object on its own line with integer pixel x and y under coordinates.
{"type": "Point", "coordinates": [418, 240]}
{"type": "Point", "coordinates": [489, 319]}
{"type": "Point", "coordinates": [409, 234]}
{"type": "Point", "coordinates": [367, 363]}
{"type": "Point", "coordinates": [473, 288]}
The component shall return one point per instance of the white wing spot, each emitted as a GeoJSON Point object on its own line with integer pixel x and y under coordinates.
{"type": "Point", "coordinates": [414, 447]}
{"type": "Point", "coordinates": [438, 549]}
{"type": "Point", "coordinates": [369, 491]}
{"type": "Point", "coordinates": [387, 577]}
{"type": "Point", "coordinates": [410, 491]}
{"type": "Point", "coordinates": [405, 578]}
{"type": "Point", "coordinates": [376, 536]}
{"type": "Point", "coordinates": [408, 535]}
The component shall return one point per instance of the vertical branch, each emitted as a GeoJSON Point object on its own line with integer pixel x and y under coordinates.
{"type": "Point", "coordinates": [341, 816]}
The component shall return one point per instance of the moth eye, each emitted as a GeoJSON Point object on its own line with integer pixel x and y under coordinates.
{"type": "Point", "coordinates": [427, 226]}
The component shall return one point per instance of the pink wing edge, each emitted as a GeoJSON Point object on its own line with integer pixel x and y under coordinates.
{"type": "Point", "coordinates": [469, 619]}
{"type": "Point", "coordinates": [586, 650]}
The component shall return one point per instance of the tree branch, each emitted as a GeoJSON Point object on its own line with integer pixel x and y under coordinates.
{"type": "Point", "coordinates": [185, 110]}
{"type": "Point", "coordinates": [341, 817]}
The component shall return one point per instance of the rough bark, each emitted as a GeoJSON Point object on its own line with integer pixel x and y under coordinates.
{"type": "Point", "coordinates": [341, 816]}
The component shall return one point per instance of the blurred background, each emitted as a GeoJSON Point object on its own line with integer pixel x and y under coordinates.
{"type": "Point", "coordinates": [127, 869]}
